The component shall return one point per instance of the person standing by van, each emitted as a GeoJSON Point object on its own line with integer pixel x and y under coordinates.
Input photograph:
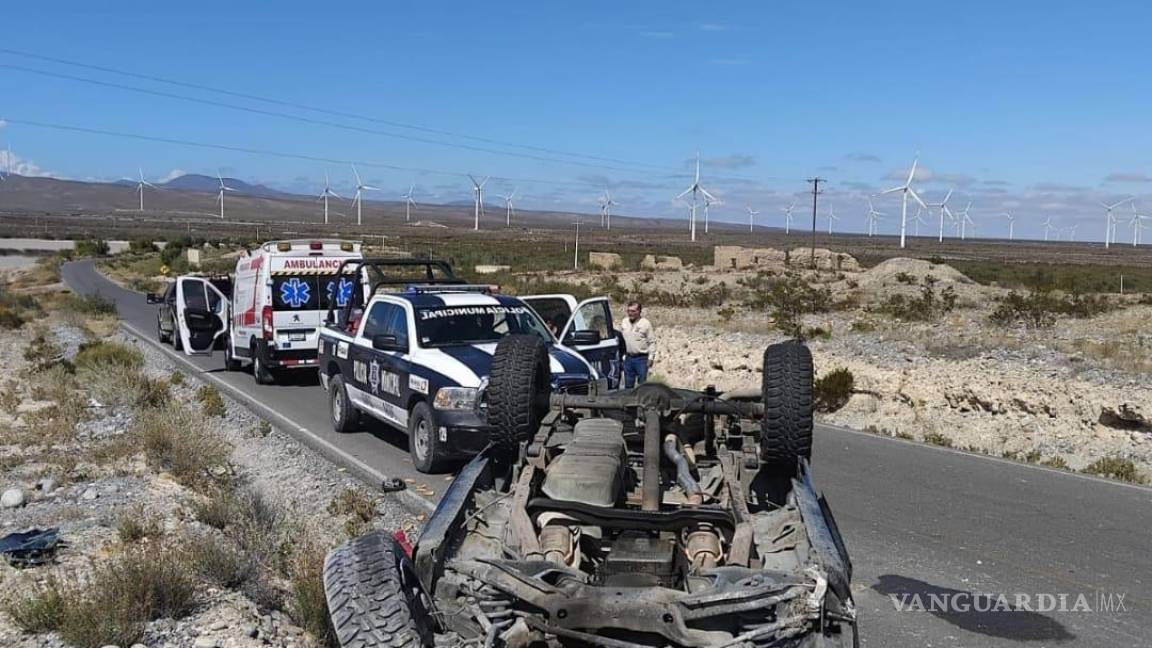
{"type": "Point", "coordinates": [639, 342]}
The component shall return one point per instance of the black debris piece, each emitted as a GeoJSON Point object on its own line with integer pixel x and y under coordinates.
{"type": "Point", "coordinates": [31, 548]}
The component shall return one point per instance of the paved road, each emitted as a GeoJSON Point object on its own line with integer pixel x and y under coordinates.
{"type": "Point", "coordinates": [921, 523]}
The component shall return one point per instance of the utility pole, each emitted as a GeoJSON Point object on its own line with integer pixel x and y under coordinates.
{"type": "Point", "coordinates": [576, 247]}
{"type": "Point", "coordinates": [815, 192]}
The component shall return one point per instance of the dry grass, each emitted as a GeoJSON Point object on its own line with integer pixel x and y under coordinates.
{"type": "Point", "coordinates": [211, 403]}
{"type": "Point", "coordinates": [112, 603]}
{"type": "Point", "coordinates": [309, 606]}
{"type": "Point", "coordinates": [1115, 468]}
{"type": "Point", "coordinates": [178, 442]}
{"type": "Point", "coordinates": [359, 509]}
{"type": "Point", "coordinates": [938, 439]}
{"type": "Point", "coordinates": [137, 524]}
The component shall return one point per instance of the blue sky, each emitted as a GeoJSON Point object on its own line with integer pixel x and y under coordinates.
{"type": "Point", "coordinates": [1035, 107]}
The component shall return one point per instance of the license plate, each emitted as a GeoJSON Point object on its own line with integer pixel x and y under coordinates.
{"type": "Point", "coordinates": [296, 337]}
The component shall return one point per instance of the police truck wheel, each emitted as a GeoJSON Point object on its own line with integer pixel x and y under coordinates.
{"type": "Point", "coordinates": [428, 453]}
{"type": "Point", "coordinates": [177, 343]}
{"type": "Point", "coordinates": [260, 371]}
{"type": "Point", "coordinates": [160, 332]}
{"type": "Point", "coordinates": [345, 416]}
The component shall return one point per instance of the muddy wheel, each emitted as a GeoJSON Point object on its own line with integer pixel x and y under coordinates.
{"type": "Point", "coordinates": [374, 596]}
{"type": "Point", "coordinates": [518, 390]}
{"type": "Point", "coordinates": [786, 389]}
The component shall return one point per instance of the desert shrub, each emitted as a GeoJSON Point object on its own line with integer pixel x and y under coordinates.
{"type": "Point", "coordinates": [176, 379]}
{"type": "Point", "coordinates": [10, 319]}
{"type": "Point", "coordinates": [1115, 468]}
{"type": "Point", "coordinates": [218, 560]}
{"type": "Point", "coordinates": [41, 353]}
{"type": "Point", "coordinates": [905, 278]}
{"type": "Point", "coordinates": [174, 441]}
{"type": "Point", "coordinates": [141, 245]}
{"type": "Point", "coordinates": [817, 333]}
{"type": "Point", "coordinates": [112, 604]}
{"type": "Point", "coordinates": [210, 400]}
{"type": "Point", "coordinates": [91, 247]}
{"type": "Point", "coordinates": [1039, 309]}
{"type": "Point", "coordinates": [357, 506]}
{"type": "Point", "coordinates": [788, 299]}
{"type": "Point", "coordinates": [833, 390]}
{"type": "Point", "coordinates": [102, 355]}
{"type": "Point", "coordinates": [94, 304]}
{"type": "Point", "coordinates": [1056, 462]}
{"type": "Point", "coordinates": [219, 509]}
{"type": "Point", "coordinates": [10, 398]}
{"type": "Point", "coordinates": [137, 524]}
{"type": "Point", "coordinates": [863, 326]}
{"type": "Point", "coordinates": [39, 609]}
{"type": "Point", "coordinates": [925, 307]}
{"type": "Point", "coordinates": [263, 428]}
{"type": "Point", "coordinates": [726, 313]}
{"type": "Point", "coordinates": [309, 606]}
{"type": "Point", "coordinates": [938, 439]}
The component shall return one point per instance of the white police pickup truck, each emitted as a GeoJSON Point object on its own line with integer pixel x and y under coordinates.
{"type": "Point", "coordinates": [417, 354]}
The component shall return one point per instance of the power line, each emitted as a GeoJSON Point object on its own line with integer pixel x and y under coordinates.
{"type": "Point", "coordinates": [651, 168]}
{"type": "Point", "coordinates": [815, 182]}
{"type": "Point", "coordinates": [316, 109]}
{"type": "Point", "coordinates": [276, 154]}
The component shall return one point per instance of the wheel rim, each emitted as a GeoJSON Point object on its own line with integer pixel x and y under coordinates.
{"type": "Point", "coordinates": [422, 439]}
{"type": "Point", "coordinates": [337, 406]}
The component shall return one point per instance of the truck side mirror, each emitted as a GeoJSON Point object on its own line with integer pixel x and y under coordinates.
{"type": "Point", "coordinates": [153, 298]}
{"type": "Point", "coordinates": [388, 343]}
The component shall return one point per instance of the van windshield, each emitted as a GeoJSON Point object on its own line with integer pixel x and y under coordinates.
{"type": "Point", "coordinates": [455, 325]}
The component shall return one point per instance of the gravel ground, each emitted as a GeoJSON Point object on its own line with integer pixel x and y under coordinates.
{"type": "Point", "coordinates": [86, 499]}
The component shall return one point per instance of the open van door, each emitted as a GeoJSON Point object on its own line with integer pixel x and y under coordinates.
{"type": "Point", "coordinates": [591, 332]}
{"type": "Point", "coordinates": [202, 315]}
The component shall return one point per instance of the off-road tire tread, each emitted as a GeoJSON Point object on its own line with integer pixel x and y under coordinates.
{"type": "Point", "coordinates": [367, 601]}
{"type": "Point", "coordinates": [513, 385]}
{"type": "Point", "coordinates": [786, 389]}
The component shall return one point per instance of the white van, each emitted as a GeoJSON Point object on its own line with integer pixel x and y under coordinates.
{"type": "Point", "coordinates": [280, 294]}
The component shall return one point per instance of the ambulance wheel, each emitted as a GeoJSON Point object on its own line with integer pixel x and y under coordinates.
{"type": "Point", "coordinates": [230, 361]}
{"type": "Point", "coordinates": [260, 371]}
{"type": "Point", "coordinates": [428, 452]}
{"type": "Point", "coordinates": [345, 416]}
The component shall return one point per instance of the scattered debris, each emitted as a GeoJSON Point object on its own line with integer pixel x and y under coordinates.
{"type": "Point", "coordinates": [30, 548]}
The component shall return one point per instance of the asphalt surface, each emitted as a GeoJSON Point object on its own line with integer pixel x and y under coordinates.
{"type": "Point", "coordinates": [965, 536]}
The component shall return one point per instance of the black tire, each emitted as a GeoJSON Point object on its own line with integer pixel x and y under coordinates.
{"type": "Point", "coordinates": [428, 454]}
{"type": "Point", "coordinates": [231, 363]}
{"type": "Point", "coordinates": [518, 389]}
{"type": "Point", "coordinates": [160, 333]}
{"type": "Point", "coordinates": [374, 596]}
{"type": "Point", "coordinates": [177, 343]}
{"type": "Point", "coordinates": [260, 372]}
{"type": "Point", "coordinates": [345, 417]}
{"type": "Point", "coordinates": [786, 389]}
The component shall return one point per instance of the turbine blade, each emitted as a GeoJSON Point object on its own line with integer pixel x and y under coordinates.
{"type": "Point", "coordinates": [893, 190]}
{"type": "Point", "coordinates": [917, 197]}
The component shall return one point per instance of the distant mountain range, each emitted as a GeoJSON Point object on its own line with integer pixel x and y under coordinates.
{"type": "Point", "coordinates": [210, 184]}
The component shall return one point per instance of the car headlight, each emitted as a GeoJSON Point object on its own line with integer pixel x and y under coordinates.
{"type": "Point", "coordinates": [455, 398]}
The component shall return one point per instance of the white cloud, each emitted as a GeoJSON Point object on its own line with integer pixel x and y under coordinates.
{"type": "Point", "coordinates": [657, 34]}
{"type": "Point", "coordinates": [173, 174]}
{"type": "Point", "coordinates": [3, 123]}
{"type": "Point", "coordinates": [712, 27]}
{"type": "Point", "coordinates": [1123, 176]}
{"type": "Point", "coordinates": [10, 162]}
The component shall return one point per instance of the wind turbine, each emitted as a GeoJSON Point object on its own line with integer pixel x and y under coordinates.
{"type": "Point", "coordinates": [1011, 224]}
{"type": "Point", "coordinates": [831, 217]}
{"type": "Point", "coordinates": [752, 214]}
{"type": "Point", "coordinates": [873, 217]}
{"type": "Point", "coordinates": [1137, 226]}
{"type": "Point", "coordinates": [140, 188]}
{"type": "Point", "coordinates": [7, 163]}
{"type": "Point", "coordinates": [1110, 221]}
{"type": "Point", "coordinates": [509, 207]}
{"type": "Point", "coordinates": [1072, 231]}
{"type": "Point", "coordinates": [324, 195]}
{"type": "Point", "coordinates": [478, 190]}
{"type": "Point", "coordinates": [220, 195]}
{"type": "Point", "coordinates": [788, 216]}
{"type": "Point", "coordinates": [708, 202]}
{"type": "Point", "coordinates": [696, 189]}
{"type": "Point", "coordinates": [359, 198]}
{"type": "Point", "coordinates": [944, 211]}
{"type": "Point", "coordinates": [917, 222]}
{"type": "Point", "coordinates": [1047, 227]}
{"type": "Point", "coordinates": [963, 220]}
{"type": "Point", "coordinates": [904, 190]}
{"type": "Point", "coordinates": [408, 204]}
{"type": "Point", "coordinates": [606, 203]}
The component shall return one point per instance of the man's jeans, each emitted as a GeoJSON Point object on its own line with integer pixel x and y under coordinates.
{"type": "Point", "coordinates": [635, 370]}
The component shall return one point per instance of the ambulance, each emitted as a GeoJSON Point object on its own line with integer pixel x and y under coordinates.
{"type": "Point", "coordinates": [281, 292]}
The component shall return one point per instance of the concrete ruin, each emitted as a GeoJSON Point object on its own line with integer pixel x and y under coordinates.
{"type": "Point", "coordinates": [605, 260]}
{"type": "Point", "coordinates": [825, 260]}
{"type": "Point", "coordinates": [657, 262]}
{"type": "Point", "coordinates": [735, 257]}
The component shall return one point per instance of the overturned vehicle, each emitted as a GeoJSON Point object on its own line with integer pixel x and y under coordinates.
{"type": "Point", "coordinates": [646, 517]}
